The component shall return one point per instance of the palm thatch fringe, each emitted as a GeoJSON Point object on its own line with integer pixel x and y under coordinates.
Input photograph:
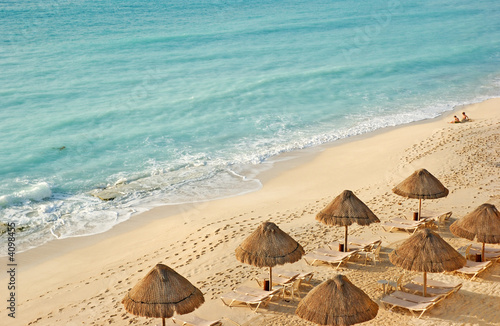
{"type": "Point", "coordinates": [345, 210]}
{"type": "Point", "coordinates": [269, 246]}
{"type": "Point", "coordinates": [161, 293]}
{"type": "Point", "coordinates": [421, 185]}
{"type": "Point", "coordinates": [482, 225]}
{"type": "Point", "coordinates": [337, 302]}
{"type": "Point", "coordinates": [426, 251]}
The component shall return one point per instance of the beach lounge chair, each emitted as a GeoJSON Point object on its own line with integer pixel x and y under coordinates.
{"type": "Point", "coordinates": [437, 284]}
{"type": "Point", "coordinates": [413, 307]}
{"type": "Point", "coordinates": [489, 249]}
{"type": "Point", "coordinates": [474, 268]}
{"type": "Point", "coordinates": [333, 252]}
{"type": "Point", "coordinates": [304, 276]}
{"type": "Point", "coordinates": [440, 220]}
{"type": "Point", "coordinates": [350, 246]}
{"type": "Point", "coordinates": [363, 242]}
{"type": "Point", "coordinates": [372, 253]}
{"type": "Point", "coordinates": [416, 298]}
{"type": "Point", "coordinates": [334, 261]}
{"type": "Point", "coordinates": [392, 285]}
{"type": "Point", "coordinates": [433, 287]}
{"type": "Point", "coordinates": [489, 254]}
{"type": "Point", "coordinates": [258, 292]}
{"type": "Point", "coordinates": [193, 320]}
{"type": "Point", "coordinates": [233, 298]}
{"type": "Point", "coordinates": [249, 296]}
{"type": "Point", "coordinates": [287, 284]}
{"type": "Point", "coordinates": [405, 225]}
{"type": "Point", "coordinates": [294, 288]}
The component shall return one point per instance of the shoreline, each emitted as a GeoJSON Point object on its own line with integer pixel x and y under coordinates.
{"type": "Point", "coordinates": [278, 164]}
{"type": "Point", "coordinates": [80, 270]}
{"type": "Point", "coordinates": [262, 173]}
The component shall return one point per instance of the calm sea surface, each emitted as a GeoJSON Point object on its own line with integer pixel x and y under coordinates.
{"type": "Point", "coordinates": [179, 101]}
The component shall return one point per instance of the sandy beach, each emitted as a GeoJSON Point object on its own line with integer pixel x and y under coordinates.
{"type": "Point", "coordinates": [81, 281]}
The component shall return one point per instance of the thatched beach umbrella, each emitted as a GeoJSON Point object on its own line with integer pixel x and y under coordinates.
{"type": "Point", "coordinates": [345, 210]}
{"type": "Point", "coordinates": [269, 246]}
{"type": "Point", "coordinates": [482, 225]}
{"type": "Point", "coordinates": [161, 293]}
{"type": "Point", "coordinates": [425, 251]}
{"type": "Point", "coordinates": [421, 185]}
{"type": "Point", "coordinates": [337, 302]}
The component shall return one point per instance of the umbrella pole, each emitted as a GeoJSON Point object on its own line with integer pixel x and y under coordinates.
{"type": "Point", "coordinates": [270, 278]}
{"type": "Point", "coordinates": [419, 208]}
{"type": "Point", "coordinates": [425, 284]}
{"type": "Point", "coordinates": [482, 254]}
{"type": "Point", "coordinates": [345, 240]}
{"type": "Point", "coordinates": [163, 321]}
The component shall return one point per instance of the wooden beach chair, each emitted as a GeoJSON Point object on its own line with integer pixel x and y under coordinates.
{"type": "Point", "coordinates": [193, 320]}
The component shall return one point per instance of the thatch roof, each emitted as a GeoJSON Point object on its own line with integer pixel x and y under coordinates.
{"type": "Point", "coordinates": [337, 302]}
{"type": "Point", "coordinates": [426, 251]}
{"type": "Point", "coordinates": [269, 246]}
{"type": "Point", "coordinates": [421, 185]}
{"type": "Point", "coordinates": [482, 225]}
{"type": "Point", "coordinates": [345, 210]}
{"type": "Point", "coordinates": [161, 293]}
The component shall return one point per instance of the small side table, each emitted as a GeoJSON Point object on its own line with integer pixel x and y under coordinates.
{"type": "Point", "coordinates": [384, 285]}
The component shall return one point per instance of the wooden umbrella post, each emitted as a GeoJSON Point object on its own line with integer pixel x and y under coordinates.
{"type": "Point", "coordinates": [425, 284]}
{"type": "Point", "coordinates": [482, 254]}
{"type": "Point", "coordinates": [419, 208]}
{"type": "Point", "coordinates": [345, 240]}
{"type": "Point", "coordinates": [270, 278]}
{"type": "Point", "coordinates": [163, 321]}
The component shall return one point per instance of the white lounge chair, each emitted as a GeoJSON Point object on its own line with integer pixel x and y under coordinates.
{"type": "Point", "coordinates": [479, 246]}
{"type": "Point", "coordinates": [232, 299]}
{"type": "Point", "coordinates": [334, 261]}
{"type": "Point", "coordinates": [474, 268]}
{"type": "Point", "coordinates": [334, 246]}
{"type": "Point", "coordinates": [398, 224]}
{"type": "Point", "coordinates": [304, 276]}
{"type": "Point", "coordinates": [413, 307]}
{"type": "Point", "coordinates": [416, 298]}
{"type": "Point", "coordinates": [433, 287]}
{"type": "Point", "coordinates": [488, 254]}
{"type": "Point", "coordinates": [440, 220]}
{"type": "Point", "coordinates": [372, 253]}
{"type": "Point", "coordinates": [364, 242]}
{"type": "Point", "coordinates": [258, 292]}
{"type": "Point", "coordinates": [193, 320]}
{"type": "Point", "coordinates": [333, 252]}
{"type": "Point", "coordinates": [437, 284]}
{"type": "Point", "coordinates": [287, 284]}
{"type": "Point", "coordinates": [249, 296]}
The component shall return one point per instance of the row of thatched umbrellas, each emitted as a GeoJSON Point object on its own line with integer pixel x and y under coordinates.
{"type": "Point", "coordinates": [163, 291]}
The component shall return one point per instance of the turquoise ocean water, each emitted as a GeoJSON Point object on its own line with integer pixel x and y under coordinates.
{"type": "Point", "coordinates": [181, 101]}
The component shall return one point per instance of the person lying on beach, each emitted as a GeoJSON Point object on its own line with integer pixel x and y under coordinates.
{"type": "Point", "coordinates": [465, 117]}
{"type": "Point", "coordinates": [455, 120]}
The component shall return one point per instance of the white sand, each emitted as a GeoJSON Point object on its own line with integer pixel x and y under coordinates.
{"type": "Point", "coordinates": [81, 281]}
